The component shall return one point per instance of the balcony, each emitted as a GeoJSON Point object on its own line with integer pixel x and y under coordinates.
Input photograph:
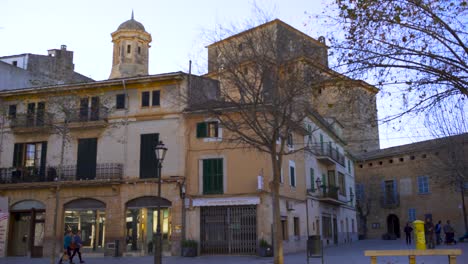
{"type": "Point", "coordinates": [88, 117]}
{"type": "Point", "coordinates": [329, 194]}
{"type": "Point", "coordinates": [327, 155]}
{"type": "Point", "coordinates": [104, 171]}
{"type": "Point", "coordinates": [390, 201]}
{"type": "Point", "coordinates": [30, 123]}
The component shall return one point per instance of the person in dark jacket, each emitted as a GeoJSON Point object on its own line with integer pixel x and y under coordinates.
{"type": "Point", "coordinates": [429, 231]}
{"type": "Point", "coordinates": [78, 244]}
{"type": "Point", "coordinates": [408, 230]}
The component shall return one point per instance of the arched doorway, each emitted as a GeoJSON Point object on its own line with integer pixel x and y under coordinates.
{"type": "Point", "coordinates": [89, 216]}
{"type": "Point", "coordinates": [27, 228]}
{"type": "Point", "coordinates": [141, 223]}
{"type": "Point", "coordinates": [393, 226]}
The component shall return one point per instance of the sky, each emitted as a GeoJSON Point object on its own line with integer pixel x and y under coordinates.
{"type": "Point", "coordinates": [176, 26]}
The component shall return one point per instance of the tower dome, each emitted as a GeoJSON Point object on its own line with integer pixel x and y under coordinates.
{"type": "Point", "coordinates": [131, 50]}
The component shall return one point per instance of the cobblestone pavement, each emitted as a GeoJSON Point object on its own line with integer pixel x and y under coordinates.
{"type": "Point", "coordinates": [342, 254]}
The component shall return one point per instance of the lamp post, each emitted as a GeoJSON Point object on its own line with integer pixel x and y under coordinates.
{"type": "Point", "coordinates": [160, 151]}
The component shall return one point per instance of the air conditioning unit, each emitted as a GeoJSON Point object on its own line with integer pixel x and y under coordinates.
{"type": "Point", "coordinates": [289, 206]}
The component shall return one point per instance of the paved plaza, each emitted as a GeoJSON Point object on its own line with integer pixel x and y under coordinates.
{"type": "Point", "coordinates": [342, 254]}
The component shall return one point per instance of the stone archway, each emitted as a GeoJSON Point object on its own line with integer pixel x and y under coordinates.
{"type": "Point", "coordinates": [393, 226]}
{"type": "Point", "coordinates": [27, 228]}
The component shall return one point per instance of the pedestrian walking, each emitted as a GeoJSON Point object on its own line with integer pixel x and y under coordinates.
{"type": "Point", "coordinates": [408, 230]}
{"type": "Point", "coordinates": [429, 232]}
{"type": "Point", "coordinates": [66, 248]}
{"type": "Point", "coordinates": [438, 229]}
{"type": "Point", "coordinates": [78, 244]}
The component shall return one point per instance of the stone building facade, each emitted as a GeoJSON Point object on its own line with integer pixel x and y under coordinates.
{"type": "Point", "coordinates": [412, 182]}
{"type": "Point", "coordinates": [83, 155]}
{"type": "Point", "coordinates": [33, 70]}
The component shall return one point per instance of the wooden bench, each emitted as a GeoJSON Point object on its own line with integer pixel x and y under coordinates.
{"type": "Point", "coordinates": [412, 253]}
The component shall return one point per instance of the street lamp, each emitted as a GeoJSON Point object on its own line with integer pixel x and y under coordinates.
{"type": "Point", "coordinates": [160, 151]}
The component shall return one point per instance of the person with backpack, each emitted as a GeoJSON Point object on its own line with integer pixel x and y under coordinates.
{"type": "Point", "coordinates": [77, 244]}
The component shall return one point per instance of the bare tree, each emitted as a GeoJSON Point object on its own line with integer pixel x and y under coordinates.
{"type": "Point", "coordinates": [414, 47]}
{"type": "Point", "coordinates": [263, 98]}
{"type": "Point", "coordinates": [367, 193]}
{"type": "Point", "coordinates": [449, 168]}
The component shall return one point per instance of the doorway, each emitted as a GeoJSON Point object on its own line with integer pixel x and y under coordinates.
{"type": "Point", "coordinates": [393, 225]}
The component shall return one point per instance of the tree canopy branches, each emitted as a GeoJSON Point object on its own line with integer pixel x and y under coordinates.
{"type": "Point", "coordinates": [418, 46]}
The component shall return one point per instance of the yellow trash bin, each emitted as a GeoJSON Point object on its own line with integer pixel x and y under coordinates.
{"type": "Point", "coordinates": [419, 236]}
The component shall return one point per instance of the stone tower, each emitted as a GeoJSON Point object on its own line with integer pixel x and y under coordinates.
{"type": "Point", "coordinates": [131, 46]}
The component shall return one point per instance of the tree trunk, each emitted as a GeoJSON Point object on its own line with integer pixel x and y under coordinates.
{"type": "Point", "coordinates": [277, 234]}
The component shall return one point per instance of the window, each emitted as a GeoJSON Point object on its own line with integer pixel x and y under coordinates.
{"type": "Point", "coordinates": [139, 50]}
{"type": "Point", "coordinates": [120, 101]}
{"type": "Point", "coordinates": [145, 99]}
{"type": "Point", "coordinates": [213, 176]}
{"type": "Point", "coordinates": [389, 192]}
{"type": "Point", "coordinates": [147, 155]}
{"type": "Point", "coordinates": [34, 113]}
{"type": "Point", "coordinates": [208, 129]}
{"type": "Point", "coordinates": [423, 184]}
{"type": "Point", "coordinates": [411, 214]}
{"type": "Point", "coordinates": [284, 227]}
{"type": "Point", "coordinates": [312, 180]}
{"type": "Point", "coordinates": [282, 176]}
{"type": "Point", "coordinates": [89, 112]}
{"type": "Point", "coordinates": [359, 192]}
{"type": "Point", "coordinates": [12, 111]}
{"type": "Point", "coordinates": [156, 98]}
{"type": "Point", "coordinates": [15, 63]}
{"type": "Point", "coordinates": [129, 48]}
{"type": "Point", "coordinates": [292, 173]}
{"type": "Point", "coordinates": [30, 155]}
{"type": "Point", "coordinates": [341, 179]}
{"type": "Point", "coordinates": [152, 98]}
{"type": "Point", "coordinates": [290, 141]}
{"type": "Point", "coordinates": [296, 228]}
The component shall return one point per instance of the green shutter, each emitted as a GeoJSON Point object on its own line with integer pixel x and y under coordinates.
{"type": "Point", "coordinates": [213, 176]}
{"type": "Point", "coordinates": [312, 178]}
{"type": "Point", "coordinates": [202, 130]}
{"type": "Point", "coordinates": [18, 154]}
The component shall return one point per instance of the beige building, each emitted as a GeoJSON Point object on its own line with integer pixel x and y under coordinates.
{"type": "Point", "coordinates": [412, 182]}
{"type": "Point", "coordinates": [82, 155]}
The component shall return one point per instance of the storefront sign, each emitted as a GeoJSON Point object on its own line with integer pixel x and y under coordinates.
{"type": "Point", "coordinates": [225, 201]}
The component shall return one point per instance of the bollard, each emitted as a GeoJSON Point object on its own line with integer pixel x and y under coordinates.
{"type": "Point", "coordinates": [419, 236]}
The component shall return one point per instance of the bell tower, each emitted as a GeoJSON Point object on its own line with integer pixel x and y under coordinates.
{"type": "Point", "coordinates": [131, 50]}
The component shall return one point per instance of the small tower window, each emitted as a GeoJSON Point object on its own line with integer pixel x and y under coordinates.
{"type": "Point", "coordinates": [129, 48]}
{"type": "Point", "coordinates": [15, 63]}
{"type": "Point", "coordinates": [139, 50]}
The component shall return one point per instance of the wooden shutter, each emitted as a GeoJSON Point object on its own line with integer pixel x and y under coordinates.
{"type": "Point", "coordinates": [292, 175]}
{"type": "Point", "coordinates": [18, 155]}
{"type": "Point", "coordinates": [312, 183]}
{"type": "Point", "coordinates": [148, 168]}
{"type": "Point", "coordinates": [156, 98]}
{"type": "Point", "coordinates": [120, 101]}
{"type": "Point", "coordinates": [42, 167]}
{"type": "Point", "coordinates": [40, 113]}
{"type": "Point", "coordinates": [86, 162]}
{"type": "Point", "coordinates": [395, 191]}
{"type": "Point", "coordinates": [213, 176]}
{"type": "Point", "coordinates": [145, 96]}
{"type": "Point", "coordinates": [95, 108]}
{"type": "Point", "coordinates": [202, 130]}
{"type": "Point", "coordinates": [84, 109]}
{"type": "Point", "coordinates": [384, 194]}
{"type": "Point", "coordinates": [30, 114]}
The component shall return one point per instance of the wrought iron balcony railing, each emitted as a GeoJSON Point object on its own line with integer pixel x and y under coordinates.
{"type": "Point", "coordinates": [88, 114]}
{"type": "Point", "coordinates": [31, 120]}
{"type": "Point", "coordinates": [104, 171]}
{"type": "Point", "coordinates": [327, 152]}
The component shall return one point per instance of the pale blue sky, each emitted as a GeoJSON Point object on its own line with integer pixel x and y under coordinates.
{"type": "Point", "coordinates": [176, 26]}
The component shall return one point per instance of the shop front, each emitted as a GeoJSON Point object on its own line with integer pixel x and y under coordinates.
{"type": "Point", "coordinates": [141, 225]}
